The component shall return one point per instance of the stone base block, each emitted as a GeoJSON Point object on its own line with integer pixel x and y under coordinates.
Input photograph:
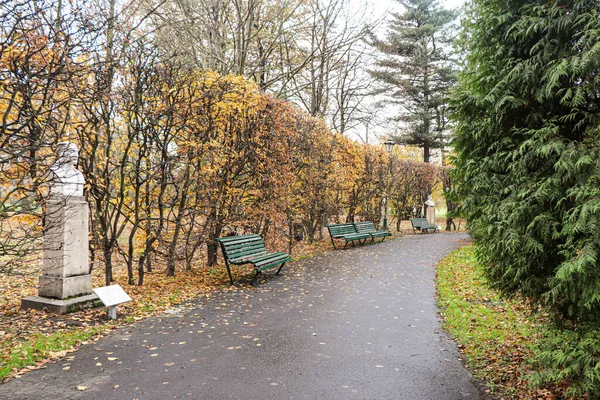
{"type": "Point", "coordinates": [62, 288]}
{"type": "Point", "coordinates": [60, 306]}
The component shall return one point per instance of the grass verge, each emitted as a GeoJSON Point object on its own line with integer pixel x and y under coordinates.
{"type": "Point", "coordinates": [497, 336]}
{"type": "Point", "coordinates": [40, 348]}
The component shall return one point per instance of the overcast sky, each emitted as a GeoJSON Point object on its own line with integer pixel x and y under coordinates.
{"type": "Point", "coordinates": [384, 5]}
{"type": "Point", "coordinates": [445, 3]}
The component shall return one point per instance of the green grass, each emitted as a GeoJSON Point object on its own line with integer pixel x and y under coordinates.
{"type": "Point", "coordinates": [496, 335]}
{"type": "Point", "coordinates": [40, 347]}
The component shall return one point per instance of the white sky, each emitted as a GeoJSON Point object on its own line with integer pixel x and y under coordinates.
{"type": "Point", "coordinates": [445, 3]}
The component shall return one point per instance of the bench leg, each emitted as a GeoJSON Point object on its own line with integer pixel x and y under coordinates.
{"type": "Point", "coordinates": [333, 243]}
{"type": "Point", "coordinates": [345, 245]}
{"type": "Point", "coordinates": [279, 270]}
{"type": "Point", "coordinates": [229, 271]}
{"type": "Point", "coordinates": [255, 277]}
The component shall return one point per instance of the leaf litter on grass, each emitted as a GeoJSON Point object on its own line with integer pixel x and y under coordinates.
{"type": "Point", "coordinates": [496, 335]}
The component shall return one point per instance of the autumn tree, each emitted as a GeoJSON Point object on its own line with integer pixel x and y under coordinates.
{"type": "Point", "coordinates": [175, 156]}
{"type": "Point", "coordinates": [38, 57]}
{"type": "Point", "coordinates": [412, 183]}
{"type": "Point", "coordinates": [104, 152]}
{"type": "Point", "coordinates": [370, 179]}
{"type": "Point", "coordinates": [242, 37]}
{"type": "Point", "coordinates": [416, 71]}
{"type": "Point", "coordinates": [334, 53]}
{"type": "Point", "coordinates": [351, 92]}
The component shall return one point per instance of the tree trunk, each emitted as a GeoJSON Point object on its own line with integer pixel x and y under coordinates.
{"type": "Point", "coordinates": [290, 235]}
{"type": "Point", "coordinates": [108, 264]}
{"type": "Point", "coordinates": [130, 279]}
{"type": "Point", "coordinates": [172, 249]}
{"type": "Point", "coordinates": [212, 247]}
{"type": "Point", "coordinates": [140, 269]}
{"type": "Point", "coordinates": [350, 216]}
{"type": "Point", "coordinates": [265, 228]}
{"type": "Point", "coordinates": [310, 231]}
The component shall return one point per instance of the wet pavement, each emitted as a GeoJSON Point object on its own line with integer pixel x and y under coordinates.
{"type": "Point", "coordinates": [349, 324]}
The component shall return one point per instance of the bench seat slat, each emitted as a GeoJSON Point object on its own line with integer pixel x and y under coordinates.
{"type": "Point", "coordinates": [269, 258]}
{"type": "Point", "coordinates": [347, 232]}
{"type": "Point", "coordinates": [273, 264]}
{"type": "Point", "coordinates": [354, 236]}
{"type": "Point", "coordinates": [422, 224]}
{"type": "Point", "coordinates": [250, 249]}
{"type": "Point", "coordinates": [369, 227]}
{"type": "Point", "coordinates": [381, 233]}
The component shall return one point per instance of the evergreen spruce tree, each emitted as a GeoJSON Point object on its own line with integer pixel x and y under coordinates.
{"type": "Point", "coordinates": [417, 71]}
{"type": "Point", "coordinates": [527, 140]}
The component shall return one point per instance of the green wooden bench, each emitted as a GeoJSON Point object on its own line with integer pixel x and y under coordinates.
{"type": "Point", "coordinates": [346, 232]}
{"type": "Point", "coordinates": [369, 227]}
{"type": "Point", "coordinates": [422, 225]}
{"type": "Point", "coordinates": [250, 249]}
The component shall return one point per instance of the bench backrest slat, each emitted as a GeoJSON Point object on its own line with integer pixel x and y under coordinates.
{"type": "Point", "coordinates": [418, 222]}
{"type": "Point", "coordinates": [242, 246]}
{"type": "Point", "coordinates": [238, 239]}
{"type": "Point", "coordinates": [365, 227]}
{"type": "Point", "coordinates": [341, 229]}
{"type": "Point", "coordinates": [246, 251]}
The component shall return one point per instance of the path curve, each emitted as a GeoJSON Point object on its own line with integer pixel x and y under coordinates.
{"type": "Point", "coordinates": [355, 324]}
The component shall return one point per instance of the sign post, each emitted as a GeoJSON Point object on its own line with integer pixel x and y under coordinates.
{"type": "Point", "coordinates": [111, 296]}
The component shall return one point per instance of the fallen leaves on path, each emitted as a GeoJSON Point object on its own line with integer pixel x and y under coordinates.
{"type": "Point", "coordinates": [21, 329]}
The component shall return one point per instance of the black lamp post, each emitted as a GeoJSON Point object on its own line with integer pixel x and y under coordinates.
{"type": "Point", "coordinates": [389, 145]}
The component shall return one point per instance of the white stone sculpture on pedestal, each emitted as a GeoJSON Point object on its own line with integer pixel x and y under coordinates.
{"type": "Point", "coordinates": [65, 284]}
{"type": "Point", "coordinates": [65, 179]}
{"type": "Point", "coordinates": [430, 210]}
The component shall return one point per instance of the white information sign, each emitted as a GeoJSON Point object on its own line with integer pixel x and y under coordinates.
{"type": "Point", "coordinates": [112, 295]}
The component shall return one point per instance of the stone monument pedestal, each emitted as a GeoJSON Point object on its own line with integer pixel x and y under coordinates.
{"type": "Point", "coordinates": [56, 306]}
{"type": "Point", "coordinates": [65, 284]}
{"type": "Point", "coordinates": [430, 210]}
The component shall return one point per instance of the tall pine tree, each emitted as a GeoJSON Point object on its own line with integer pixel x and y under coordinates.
{"type": "Point", "coordinates": [527, 140]}
{"type": "Point", "coordinates": [417, 71]}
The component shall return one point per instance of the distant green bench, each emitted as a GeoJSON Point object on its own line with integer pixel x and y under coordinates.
{"type": "Point", "coordinates": [346, 232]}
{"type": "Point", "coordinates": [369, 227]}
{"type": "Point", "coordinates": [250, 249]}
{"type": "Point", "coordinates": [422, 225]}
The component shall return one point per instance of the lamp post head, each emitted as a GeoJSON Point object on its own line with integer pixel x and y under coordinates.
{"type": "Point", "coordinates": [389, 144]}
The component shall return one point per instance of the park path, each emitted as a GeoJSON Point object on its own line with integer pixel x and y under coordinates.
{"type": "Point", "coordinates": [355, 324]}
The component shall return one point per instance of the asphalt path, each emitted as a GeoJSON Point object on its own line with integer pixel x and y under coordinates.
{"type": "Point", "coordinates": [360, 323]}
